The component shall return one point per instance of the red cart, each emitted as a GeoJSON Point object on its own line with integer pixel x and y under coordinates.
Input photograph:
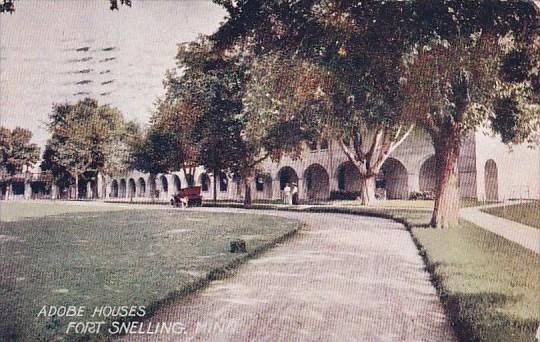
{"type": "Point", "coordinates": [191, 196]}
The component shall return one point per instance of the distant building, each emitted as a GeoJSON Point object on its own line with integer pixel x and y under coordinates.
{"type": "Point", "coordinates": [488, 170]}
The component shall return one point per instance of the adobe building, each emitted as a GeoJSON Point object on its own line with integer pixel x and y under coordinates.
{"type": "Point", "coordinates": [488, 170]}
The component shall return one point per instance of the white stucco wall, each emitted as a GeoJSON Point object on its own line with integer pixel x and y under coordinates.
{"type": "Point", "coordinates": [518, 168]}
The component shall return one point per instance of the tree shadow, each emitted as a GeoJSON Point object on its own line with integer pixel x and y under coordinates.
{"type": "Point", "coordinates": [480, 317]}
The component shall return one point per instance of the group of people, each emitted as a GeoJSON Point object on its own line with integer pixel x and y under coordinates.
{"type": "Point", "coordinates": [291, 194]}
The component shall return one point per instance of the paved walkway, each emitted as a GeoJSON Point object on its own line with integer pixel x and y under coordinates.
{"type": "Point", "coordinates": [528, 237]}
{"type": "Point", "coordinates": [343, 278]}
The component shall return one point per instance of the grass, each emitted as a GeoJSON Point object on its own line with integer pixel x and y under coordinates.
{"type": "Point", "coordinates": [408, 204]}
{"type": "Point", "coordinates": [525, 213]}
{"type": "Point", "coordinates": [489, 285]}
{"type": "Point", "coordinates": [419, 204]}
{"type": "Point", "coordinates": [120, 258]}
{"type": "Point", "coordinates": [15, 210]}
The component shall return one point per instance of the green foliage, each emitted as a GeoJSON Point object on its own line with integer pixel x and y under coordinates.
{"type": "Point", "coordinates": [16, 151]}
{"type": "Point", "coordinates": [85, 137]}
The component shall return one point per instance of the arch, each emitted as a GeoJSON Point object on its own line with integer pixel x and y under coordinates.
{"type": "Point", "coordinates": [152, 187]}
{"type": "Point", "coordinates": [122, 188]}
{"type": "Point", "coordinates": [428, 175]}
{"type": "Point", "coordinates": [204, 180]}
{"type": "Point", "coordinates": [287, 175]}
{"type": "Point", "coordinates": [18, 188]}
{"type": "Point", "coordinates": [263, 185]}
{"type": "Point", "coordinates": [223, 182]}
{"type": "Point", "coordinates": [348, 177]}
{"type": "Point", "coordinates": [90, 190]}
{"type": "Point", "coordinates": [132, 189]}
{"type": "Point", "coordinates": [393, 178]}
{"type": "Point", "coordinates": [164, 184]}
{"type": "Point", "coordinates": [141, 187]}
{"type": "Point", "coordinates": [40, 189]}
{"type": "Point", "coordinates": [491, 180]}
{"type": "Point", "coordinates": [177, 184]}
{"type": "Point", "coordinates": [114, 189]}
{"type": "Point", "coordinates": [317, 182]}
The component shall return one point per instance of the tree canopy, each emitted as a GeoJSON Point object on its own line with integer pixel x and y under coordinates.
{"type": "Point", "coordinates": [17, 152]}
{"type": "Point", "coordinates": [84, 137]}
{"type": "Point", "coordinates": [378, 68]}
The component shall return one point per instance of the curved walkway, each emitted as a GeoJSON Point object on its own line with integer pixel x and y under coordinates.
{"type": "Point", "coordinates": [343, 278]}
{"type": "Point", "coordinates": [528, 237]}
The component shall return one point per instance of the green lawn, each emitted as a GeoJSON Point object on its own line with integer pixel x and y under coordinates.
{"type": "Point", "coordinates": [409, 204]}
{"type": "Point", "coordinates": [120, 258]}
{"type": "Point", "coordinates": [16, 210]}
{"type": "Point", "coordinates": [526, 213]}
{"type": "Point", "coordinates": [490, 286]}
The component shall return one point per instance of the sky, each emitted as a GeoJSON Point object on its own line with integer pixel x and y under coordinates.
{"type": "Point", "coordinates": [54, 51]}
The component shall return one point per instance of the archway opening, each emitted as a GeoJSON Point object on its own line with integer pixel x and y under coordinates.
{"type": "Point", "coordinates": [223, 182]}
{"type": "Point", "coordinates": [348, 177]}
{"type": "Point", "coordinates": [141, 187]}
{"type": "Point", "coordinates": [393, 179]}
{"type": "Point", "coordinates": [428, 175]}
{"type": "Point", "coordinates": [114, 189]}
{"type": "Point", "coordinates": [40, 189]}
{"type": "Point", "coordinates": [317, 182]}
{"type": "Point", "coordinates": [132, 189]}
{"type": "Point", "coordinates": [263, 186]}
{"type": "Point", "coordinates": [164, 184]}
{"type": "Point", "coordinates": [122, 188]}
{"type": "Point", "coordinates": [287, 175]}
{"type": "Point", "coordinates": [204, 180]}
{"type": "Point", "coordinates": [152, 186]}
{"type": "Point", "coordinates": [177, 184]}
{"type": "Point", "coordinates": [491, 178]}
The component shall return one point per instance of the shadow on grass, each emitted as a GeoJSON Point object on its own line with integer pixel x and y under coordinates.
{"type": "Point", "coordinates": [490, 324]}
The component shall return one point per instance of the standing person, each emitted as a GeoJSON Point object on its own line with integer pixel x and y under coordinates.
{"type": "Point", "coordinates": [294, 194]}
{"type": "Point", "coordinates": [287, 191]}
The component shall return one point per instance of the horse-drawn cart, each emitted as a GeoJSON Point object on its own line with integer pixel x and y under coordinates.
{"type": "Point", "coordinates": [187, 197]}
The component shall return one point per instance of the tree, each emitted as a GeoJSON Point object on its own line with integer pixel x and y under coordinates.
{"type": "Point", "coordinates": [330, 67]}
{"type": "Point", "coordinates": [474, 69]}
{"type": "Point", "coordinates": [385, 54]}
{"type": "Point", "coordinates": [212, 87]}
{"type": "Point", "coordinates": [83, 137]}
{"type": "Point", "coordinates": [16, 154]}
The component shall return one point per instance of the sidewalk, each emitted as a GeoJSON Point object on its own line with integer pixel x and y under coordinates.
{"type": "Point", "coordinates": [342, 278]}
{"type": "Point", "coordinates": [524, 235]}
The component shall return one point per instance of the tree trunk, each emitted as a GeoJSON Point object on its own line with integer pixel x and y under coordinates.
{"type": "Point", "coordinates": [247, 194]}
{"type": "Point", "coordinates": [446, 211]}
{"type": "Point", "coordinates": [76, 187]}
{"type": "Point", "coordinates": [367, 189]}
{"type": "Point", "coordinates": [215, 186]}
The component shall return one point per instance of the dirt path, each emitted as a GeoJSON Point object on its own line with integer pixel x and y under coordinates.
{"type": "Point", "coordinates": [344, 278]}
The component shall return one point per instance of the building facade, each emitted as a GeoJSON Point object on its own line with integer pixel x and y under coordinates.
{"type": "Point", "coordinates": [488, 170]}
